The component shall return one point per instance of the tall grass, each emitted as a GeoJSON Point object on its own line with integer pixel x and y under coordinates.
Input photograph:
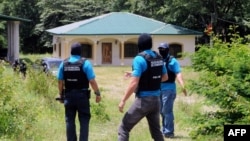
{"type": "Point", "coordinates": [49, 114]}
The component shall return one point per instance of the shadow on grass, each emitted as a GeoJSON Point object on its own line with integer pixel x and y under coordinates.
{"type": "Point", "coordinates": [179, 138]}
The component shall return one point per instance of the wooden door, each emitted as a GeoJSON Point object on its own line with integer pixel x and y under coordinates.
{"type": "Point", "coordinates": [106, 53]}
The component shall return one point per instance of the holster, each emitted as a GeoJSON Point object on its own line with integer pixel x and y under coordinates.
{"type": "Point", "coordinates": [87, 92]}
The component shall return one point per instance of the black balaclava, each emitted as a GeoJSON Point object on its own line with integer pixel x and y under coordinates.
{"type": "Point", "coordinates": [164, 50]}
{"type": "Point", "coordinates": [76, 49]}
{"type": "Point", "coordinates": [144, 42]}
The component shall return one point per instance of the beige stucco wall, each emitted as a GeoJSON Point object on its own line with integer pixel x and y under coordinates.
{"type": "Point", "coordinates": [187, 42]}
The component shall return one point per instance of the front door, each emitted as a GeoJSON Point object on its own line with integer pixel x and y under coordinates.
{"type": "Point", "coordinates": [106, 53]}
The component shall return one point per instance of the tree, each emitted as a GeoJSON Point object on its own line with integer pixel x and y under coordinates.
{"type": "Point", "coordinates": [26, 10]}
{"type": "Point", "coordinates": [224, 81]}
{"type": "Point", "coordinates": [198, 14]}
{"type": "Point", "coordinates": [195, 14]}
{"type": "Point", "coordinates": [56, 13]}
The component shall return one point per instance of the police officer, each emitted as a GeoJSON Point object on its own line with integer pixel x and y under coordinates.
{"type": "Point", "coordinates": [45, 67]}
{"type": "Point", "coordinates": [147, 73]}
{"type": "Point", "coordinates": [15, 65]}
{"type": "Point", "coordinates": [74, 76]}
{"type": "Point", "coordinates": [168, 90]}
{"type": "Point", "coordinates": [23, 68]}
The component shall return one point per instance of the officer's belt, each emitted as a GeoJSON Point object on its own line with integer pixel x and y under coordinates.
{"type": "Point", "coordinates": [76, 90]}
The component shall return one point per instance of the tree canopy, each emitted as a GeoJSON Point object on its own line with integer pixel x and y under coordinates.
{"type": "Point", "coordinates": [224, 67]}
{"type": "Point", "coordinates": [224, 81]}
{"type": "Point", "coordinates": [195, 14]}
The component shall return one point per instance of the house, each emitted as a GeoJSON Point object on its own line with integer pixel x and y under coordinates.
{"type": "Point", "coordinates": [13, 37]}
{"type": "Point", "coordinates": [111, 39]}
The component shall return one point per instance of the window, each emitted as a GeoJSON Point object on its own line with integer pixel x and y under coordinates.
{"type": "Point", "coordinates": [86, 51]}
{"type": "Point", "coordinates": [175, 50]}
{"type": "Point", "coordinates": [130, 50]}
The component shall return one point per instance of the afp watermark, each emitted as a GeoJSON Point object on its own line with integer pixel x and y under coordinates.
{"type": "Point", "coordinates": [241, 132]}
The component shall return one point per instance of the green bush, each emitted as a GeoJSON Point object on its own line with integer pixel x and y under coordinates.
{"type": "Point", "coordinates": [38, 82]}
{"type": "Point", "coordinates": [98, 112]}
{"type": "Point", "coordinates": [224, 81]}
{"type": "Point", "coordinates": [16, 117]}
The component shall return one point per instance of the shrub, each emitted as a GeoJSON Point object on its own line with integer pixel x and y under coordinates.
{"type": "Point", "coordinates": [98, 112]}
{"type": "Point", "coordinates": [15, 117]}
{"type": "Point", "coordinates": [224, 81]}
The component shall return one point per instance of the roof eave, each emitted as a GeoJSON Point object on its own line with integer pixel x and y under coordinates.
{"type": "Point", "coordinates": [179, 34]}
{"type": "Point", "coordinates": [58, 34]}
{"type": "Point", "coordinates": [12, 18]}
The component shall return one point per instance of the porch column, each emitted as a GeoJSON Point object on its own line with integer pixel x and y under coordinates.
{"type": "Point", "coordinates": [13, 40]}
{"type": "Point", "coordinates": [66, 49]}
{"type": "Point", "coordinates": [94, 52]}
{"type": "Point", "coordinates": [122, 53]}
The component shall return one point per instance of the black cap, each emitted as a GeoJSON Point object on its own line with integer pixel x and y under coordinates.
{"type": "Point", "coordinates": [144, 42]}
{"type": "Point", "coordinates": [163, 45]}
{"type": "Point", "coordinates": [76, 49]}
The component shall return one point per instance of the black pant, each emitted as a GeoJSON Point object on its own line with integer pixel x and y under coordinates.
{"type": "Point", "coordinates": [77, 101]}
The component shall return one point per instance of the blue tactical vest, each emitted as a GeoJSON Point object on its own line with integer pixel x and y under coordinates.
{"type": "Point", "coordinates": [150, 79]}
{"type": "Point", "coordinates": [74, 77]}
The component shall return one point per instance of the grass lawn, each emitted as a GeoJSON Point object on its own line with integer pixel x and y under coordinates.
{"type": "Point", "coordinates": [113, 85]}
{"type": "Point", "coordinates": [50, 123]}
